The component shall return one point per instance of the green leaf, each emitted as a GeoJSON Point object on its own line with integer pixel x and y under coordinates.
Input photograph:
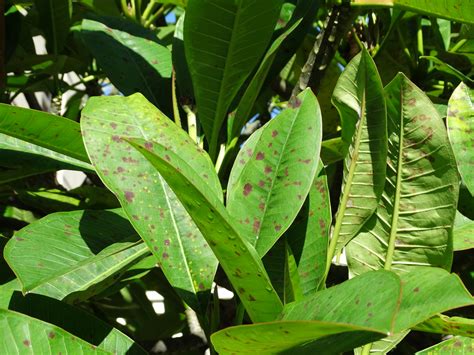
{"type": "Point", "coordinates": [224, 40]}
{"type": "Point", "coordinates": [456, 345]}
{"type": "Point", "coordinates": [442, 324]}
{"type": "Point", "coordinates": [460, 122]}
{"type": "Point", "coordinates": [428, 291]}
{"type": "Point", "coordinates": [273, 173]}
{"type": "Point", "coordinates": [358, 96]}
{"type": "Point", "coordinates": [131, 57]}
{"type": "Point", "coordinates": [413, 224]}
{"type": "Point", "coordinates": [291, 337]}
{"type": "Point", "coordinates": [151, 206]}
{"type": "Point", "coordinates": [31, 159]}
{"type": "Point", "coordinates": [237, 257]}
{"type": "Point", "coordinates": [22, 334]}
{"type": "Point", "coordinates": [456, 10]}
{"type": "Point", "coordinates": [463, 233]}
{"type": "Point", "coordinates": [54, 133]}
{"type": "Point", "coordinates": [73, 255]}
{"type": "Point", "coordinates": [306, 243]}
{"type": "Point", "coordinates": [246, 103]}
{"type": "Point", "coordinates": [341, 317]}
{"type": "Point", "coordinates": [444, 67]}
{"type": "Point", "coordinates": [71, 319]}
{"type": "Point", "coordinates": [54, 19]}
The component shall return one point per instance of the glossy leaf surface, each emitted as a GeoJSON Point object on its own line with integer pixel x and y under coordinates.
{"type": "Point", "coordinates": [460, 122]}
{"type": "Point", "coordinates": [413, 224]}
{"type": "Point", "coordinates": [73, 254]}
{"type": "Point", "coordinates": [358, 96]}
{"type": "Point", "coordinates": [131, 57]}
{"type": "Point", "coordinates": [151, 206]}
{"type": "Point", "coordinates": [274, 171]}
{"type": "Point", "coordinates": [23, 334]}
{"type": "Point", "coordinates": [237, 257]}
{"type": "Point", "coordinates": [224, 40]}
{"type": "Point", "coordinates": [51, 132]}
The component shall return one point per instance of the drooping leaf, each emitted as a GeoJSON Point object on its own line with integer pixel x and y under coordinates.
{"type": "Point", "coordinates": [54, 19]}
{"type": "Point", "coordinates": [73, 255]}
{"type": "Point", "coordinates": [37, 128]}
{"type": "Point", "coordinates": [23, 334]}
{"type": "Point", "coordinates": [244, 108]}
{"type": "Point", "coordinates": [273, 173]}
{"type": "Point", "coordinates": [456, 345]}
{"type": "Point", "coordinates": [71, 319]}
{"type": "Point", "coordinates": [358, 97]}
{"type": "Point", "coordinates": [447, 68]}
{"type": "Point", "coordinates": [224, 40]}
{"type": "Point", "coordinates": [337, 318]}
{"type": "Point", "coordinates": [151, 206]}
{"type": "Point", "coordinates": [237, 257]}
{"type": "Point", "coordinates": [413, 224]}
{"type": "Point", "coordinates": [291, 337]}
{"type": "Point", "coordinates": [460, 122]}
{"type": "Point", "coordinates": [131, 57]}
{"type": "Point", "coordinates": [442, 324]}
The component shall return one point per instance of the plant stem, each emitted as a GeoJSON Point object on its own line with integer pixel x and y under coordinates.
{"type": "Point", "coordinates": [192, 125]}
{"type": "Point", "coordinates": [157, 14]}
{"type": "Point", "coordinates": [176, 117]}
{"type": "Point", "coordinates": [149, 8]}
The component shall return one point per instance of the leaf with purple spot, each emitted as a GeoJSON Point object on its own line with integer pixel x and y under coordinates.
{"type": "Point", "coordinates": [274, 171]}
{"type": "Point", "coordinates": [151, 206]}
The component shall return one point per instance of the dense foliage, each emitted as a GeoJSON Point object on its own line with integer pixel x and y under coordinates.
{"type": "Point", "coordinates": [315, 158]}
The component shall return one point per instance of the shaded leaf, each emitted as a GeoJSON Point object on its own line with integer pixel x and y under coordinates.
{"type": "Point", "coordinates": [23, 334]}
{"type": "Point", "coordinates": [413, 224]}
{"type": "Point", "coordinates": [73, 255]}
{"type": "Point", "coordinates": [460, 122]}
{"type": "Point", "coordinates": [224, 40]}
{"type": "Point", "coordinates": [69, 318]}
{"type": "Point", "coordinates": [273, 173]}
{"type": "Point", "coordinates": [54, 20]}
{"type": "Point", "coordinates": [131, 57]}
{"type": "Point", "coordinates": [151, 206]}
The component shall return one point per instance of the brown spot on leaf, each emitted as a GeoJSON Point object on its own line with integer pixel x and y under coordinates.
{"type": "Point", "coordinates": [256, 225]}
{"type": "Point", "coordinates": [51, 335]}
{"type": "Point", "coordinates": [268, 169]}
{"type": "Point", "coordinates": [129, 195]}
{"type": "Point", "coordinates": [148, 145]}
{"type": "Point", "coordinates": [167, 242]}
{"type": "Point", "coordinates": [116, 139]}
{"type": "Point", "coordinates": [165, 256]}
{"type": "Point", "coordinates": [274, 133]}
{"type": "Point", "coordinates": [26, 342]}
{"type": "Point", "coordinates": [251, 298]}
{"type": "Point", "coordinates": [247, 189]}
{"type": "Point", "coordinates": [260, 156]}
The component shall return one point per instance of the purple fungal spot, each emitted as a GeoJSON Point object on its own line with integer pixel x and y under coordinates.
{"type": "Point", "coordinates": [261, 183]}
{"type": "Point", "coordinates": [26, 342]}
{"type": "Point", "coordinates": [268, 169]}
{"type": "Point", "coordinates": [148, 145]}
{"type": "Point", "coordinates": [165, 256]}
{"type": "Point", "coordinates": [274, 134]}
{"type": "Point", "coordinates": [247, 189]}
{"type": "Point", "coordinates": [51, 335]}
{"type": "Point", "coordinates": [201, 286]}
{"type": "Point", "coordinates": [113, 125]}
{"type": "Point", "coordinates": [297, 103]}
{"type": "Point", "coordinates": [19, 239]}
{"type": "Point", "coordinates": [260, 156]}
{"type": "Point", "coordinates": [261, 206]}
{"type": "Point", "coordinates": [256, 225]}
{"type": "Point", "coordinates": [167, 157]}
{"type": "Point", "coordinates": [129, 195]}
{"type": "Point", "coordinates": [167, 242]}
{"type": "Point", "coordinates": [306, 161]}
{"type": "Point", "coordinates": [116, 139]}
{"type": "Point", "coordinates": [277, 227]}
{"type": "Point", "coordinates": [120, 169]}
{"type": "Point", "coordinates": [322, 224]}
